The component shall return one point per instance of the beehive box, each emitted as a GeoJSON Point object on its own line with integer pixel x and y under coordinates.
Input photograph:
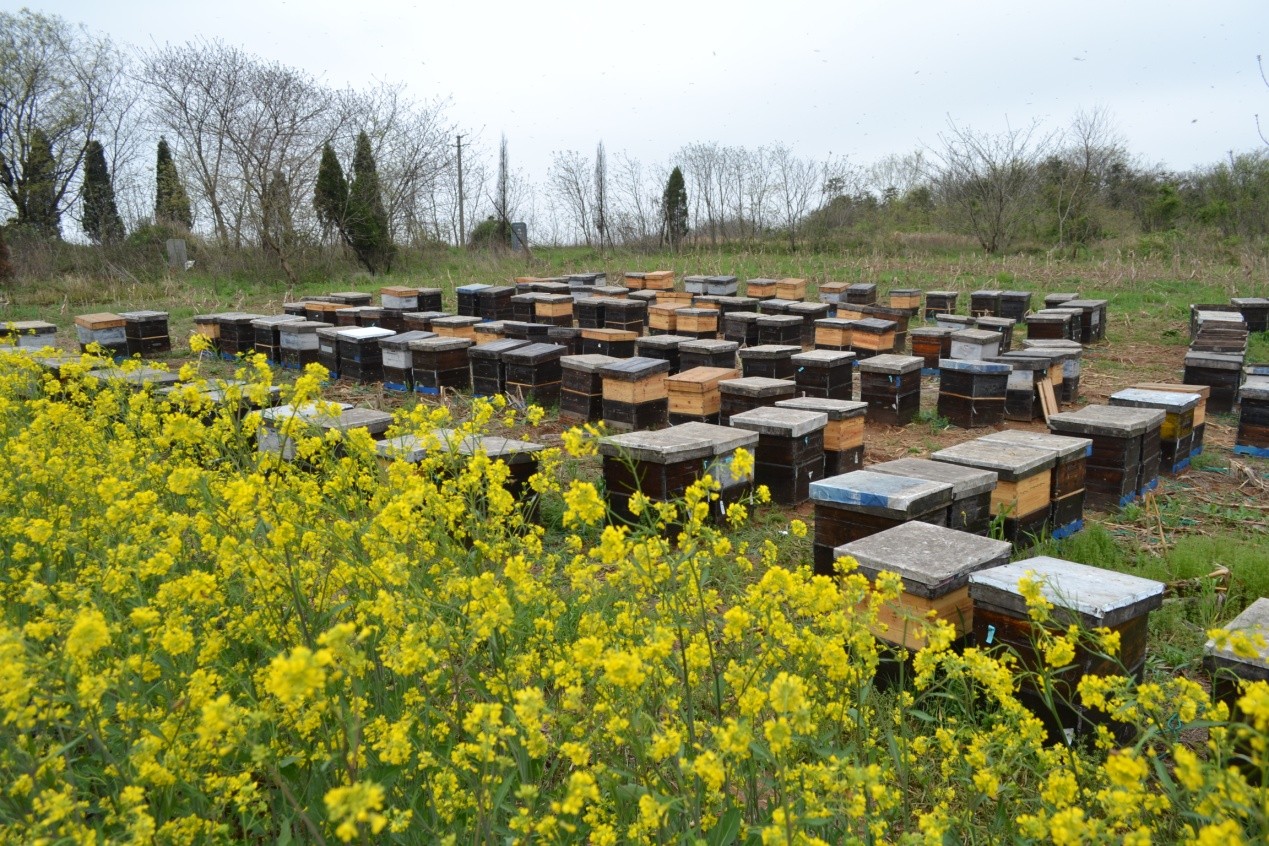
{"type": "Point", "coordinates": [780, 329]}
{"type": "Point", "coordinates": [360, 353]}
{"type": "Point", "coordinates": [663, 317]}
{"type": "Point", "coordinates": [708, 353]}
{"type": "Point", "coordinates": [939, 302]}
{"type": "Point", "coordinates": [1023, 386]}
{"type": "Point", "coordinates": [935, 563]}
{"type": "Point", "coordinates": [439, 363]}
{"type": "Point", "coordinates": [1066, 493]}
{"type": "Point", "coordinates": [582, 386]}
{"type": "Point", "coordinates": [970, 507]}
{"type": "Point", "coordinates": [104, 329]}
{"type": "Point", "coordinates": [843, 434]}
{"type": "Point", "coordinates": [465, 297]}
{"type": "Point", "coordinates": [1088, 596]}
{"type": "Point", "coordinates": [398, 361]}
{"type": "Point", "coordinates": [832, 292]}
{"type": "Point", "coordinates": [1002, 326]}
{"type": "Point", "coordinates": [721, 286]}
{"type": "Point", "coordinates": [147, 332]}
{"type": "Point", "coordinates": [1124, 460]}
{"type": "Point", "coordinates": [693, 394]}
{"type": "Point", "coordinates": [891, 385]}
{"type": "Point", "coordinates": [854, 505]}
{"type": "Point", "coordinates": [1176, 433]}
{"type": "Point", "coordinates": [899, 317]}
{"type": "Point", "coordinates": [931, 344]}
{"type": "Point", "coordinates": [745, 394]}
{"type": "Point", "coordinates": [694, 284]}
{"type": "Point", "coordinates": [612, 342]}
{"type": "Point", "coordinates": [975, 344]}
{"type": "Point", "coordinates": [350, 298]}
{"type": "Point", "coordinates": [626, 315]}
{"type": "Point", "coordinates": [1014, 305]}
{"type": "Point", "coordinates": [972, 393]}
{"type": "Point", "coordinates": [907, 299]}
{"type": "Point", "coordinates": [791, 289]}
{"type": "Point", "coordinates": [661, 465]}
{"type": "Point", "coordinates": [398, 297]}
{"type": "Point", "coordinates": [456, 327]}
{"type": "Point", "coordinates": [1092, 320]}
{"type": "Point", "coordinates": [827, 374]}
{"type": "Point", "coordinates": [1059, 299]}
{"type": "Point", "coordinates": [1228, 668]}
{"type": "Point", "coordinates": [658, 280]}
{"type": "Point", "coordinates": [1252, 437]}
{"type": "Point", "coordinates": [741, 327]}
{"type": "Point", "coordinates": [699, 323]}
{"type": "Point", "coordinates": [774, 361]}
{"type": "Point", "coordinates": [328, 349]}
{"type": "Point", "coordinates": [761, 288]}
{"type": "Point", "coordinates": [489, 331]}
{"type": "Point", "coordinates": [871, 336]}
{"type": "Point", "coordinates": [635, 394]}
{"type": "Point", "coordinates": [589, 312]}
{"type": "Point", "coordinates": [30, 334]}
{"type": "Point", "coordinates": [1071, 355]}
{"type": "Point", "coordinates": [790, 452]}
{"type": "Point", "coordinates": [535, 333]}
{"type": "Point", "coordinates": [810, 313]}
{"type": "Point", "coordinates": [834, 334]}
{"type": "Point", "coordinates": [664, 347]}
{"type": "Point", "coordinates": [1222, 372]}
{"type": "Point", "coordinates": [285, 423]}
{"type": "Point", "coordinates": [566, 336]}
{"type": "Point", "coordinates": [862, 293]}
{"type": "Point", "coordinates": [137, 379]}
{"type": "Point", "coordinates": [488, 370]}
{"type": "Point", "coordinates": [1022, 497]}
{"type": "Point", "coordinates": [1051, 325]}
{"type": "Point", "coordinates": [298, 342]}
{"type": "Point", "coordinates": [553, 309]}
{"type": "Point", "coordinates": [421, 321]}
{"type": "Point", "coordinates": [984, 303]}
{"type": "Point", "coordinates": [534, 373]}
{"type": "Point", "coordinates": [1255, 311]}
{"type": "Point", "coordinates": [1200, 410]}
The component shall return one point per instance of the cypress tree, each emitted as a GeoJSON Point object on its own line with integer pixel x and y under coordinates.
{"type": "Point", "coordinates": [367, 220]}
{"type": "Point", "coordinates": [102, 223]}
{"type": "Point", "coordinates": [674, 209]}
{"type": "Point", "coordinates": [6, 266]}
{"type": "Point", "coordinates": [37, 195]}
{"type": "Point", "coordinates": [171, 203]}
{"type": "Point", "coordinates": [330, 197]}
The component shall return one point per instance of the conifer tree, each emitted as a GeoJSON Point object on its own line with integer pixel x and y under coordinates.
{"type": "Point", "coordinates": [37, 197]}
{"type": "Point", "coordinates": [102, 223]}
{"type": "Point", "coordinates": [171, 203]}
{"type": "Point", "coordinates": [367, 220]}
{"type": "Point", "coordinates": [674, 209]}
{"type": "Point", "coordinates": [330, 198]}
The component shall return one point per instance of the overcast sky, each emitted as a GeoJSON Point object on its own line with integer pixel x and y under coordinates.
{"type": "Point", "coordinates": [861, 79]}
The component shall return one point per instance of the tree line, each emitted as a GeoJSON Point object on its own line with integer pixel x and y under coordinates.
{"type": "Point", "coordinates": [249, 155]}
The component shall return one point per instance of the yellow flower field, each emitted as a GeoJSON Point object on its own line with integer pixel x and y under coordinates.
{"type": "Point", "coordinates": [203, 643]}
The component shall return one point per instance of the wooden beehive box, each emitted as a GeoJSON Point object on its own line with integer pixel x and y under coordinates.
{"type": "Point", "coordinates": [1066, 494]}
{"type": "Point", "coordinates": [1024, 483]}
{"type": "Point", "coordinates": [935, 563]}
{"type": "Point", "coordinates": [456, 327]}
{"type": "Point", "coordinates": [833, 333]}
{"type": "Point", "coordinates": [843, 434]}
{"type": "Point", "coordinates": [694, 393]}
{"type": "Point", "coordinates": [708, 353]}
{"type": "Point", "coordinates": [854, 505]}
{"type": "Point", "coordinates": [582, 386]}
{"type": "Point", "coordinates": [761, 288]}
{"type": "Point", "coordinates": [791, 289]}
{"type": "Point", "coordinates": [970, 507]}
{"type": "Point", "coordinates": [790, 453]}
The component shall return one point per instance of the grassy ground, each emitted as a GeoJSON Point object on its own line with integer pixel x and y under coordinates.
{"type": "Point", "coordinates": [1206, 534]}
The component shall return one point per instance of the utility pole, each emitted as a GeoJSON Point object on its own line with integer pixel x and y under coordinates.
{"type": "Point", "coordinates": [462, 223]}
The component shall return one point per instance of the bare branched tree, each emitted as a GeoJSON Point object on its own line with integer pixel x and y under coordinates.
{"type": "Point", "coordinates": [1077, 173]}
{"type": "Point", "coordinates": [56, 83]}
{"type": "Point", "coordinates": [797, 182]}
{"type": "Point", "coordinates": [569, 184]}
{"type": "Point", "coordinates": [988, 182]}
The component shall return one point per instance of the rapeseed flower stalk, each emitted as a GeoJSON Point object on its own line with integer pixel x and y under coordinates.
{"type": "Point", "coordinates": [203, 644]}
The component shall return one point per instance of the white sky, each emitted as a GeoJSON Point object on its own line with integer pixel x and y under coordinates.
{"type": "Point", "coordinates": [854, 78]}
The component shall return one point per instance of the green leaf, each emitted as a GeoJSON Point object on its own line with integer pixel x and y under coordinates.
{"type": "Point", "coordinates": [726, 829]}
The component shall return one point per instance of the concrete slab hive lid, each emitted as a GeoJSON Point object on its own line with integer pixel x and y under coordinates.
{"type": "Point", "coordinates": [1067, 448]}
{"type": "Point", "coordinates": [365, 333]}
{"type": "Point", "coordinates": [965, 481]}
{"type": "Point", "coordinates": [723, 439]}
{"type": "Point", "coordinates": [1168, 401]}
{"type": "Point", "coordinates": [1010, 461]}
{"type": "Point", "coordinates": [661, 342]}
{"type": "Point", "coordinates": [769, 352]}
{"type": "Point", "coordinates": [932, 560]}
{"type": "Point", "coordinates": [663, 446]}
{"type": "Point", "coordinates": [1109, 420]}
{"type": "Point", "coordinates": [1214, 361]}
{"type": "Point", "coordinates": [835, 409]}
{"type": "Point", "coordinates": [1098, 597]}
{"type": "Point", "coordinates": [757, 386]}
{"type": "Point", "coordinates": [780, 422]}
{"type": "Point", "coordinates": [1254, 620]}
{"type": "Point", "coordinates": [635, 368]}
{"type": "Point", "coordinates": [590, 363]}
{"type": "Point", "coordinates": [708, 347]}
{"type": "Point", "coordinates": [891, 364]}
{"type": "Point", "coordinates": [981, 367]}
{"type": "Point", "coordinates": [895, 496]}
{"type": "Point", "coordinates": [823, 357]}
{"type": "Point", "coordinates": [441, 344]}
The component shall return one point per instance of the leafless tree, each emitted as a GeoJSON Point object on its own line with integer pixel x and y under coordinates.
{"type": "Point", "coordinates": [637, 197]}
{"type": "Point", "coordinates": [897, 175]}
{"type": "Point", "coordinates": [569, 183]}
{"type": "Point", "coordinates": [1078, 171]}
{"type": "Point", "coordinates": [988, 181]}
{"type": "Point", "coordinates": [796, 185]}
{"type": "Point", "coordinates": [58, 80]}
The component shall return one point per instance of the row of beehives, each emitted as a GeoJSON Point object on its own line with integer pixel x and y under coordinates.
{"type": "Point", "coordinates": [1219, 337]}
